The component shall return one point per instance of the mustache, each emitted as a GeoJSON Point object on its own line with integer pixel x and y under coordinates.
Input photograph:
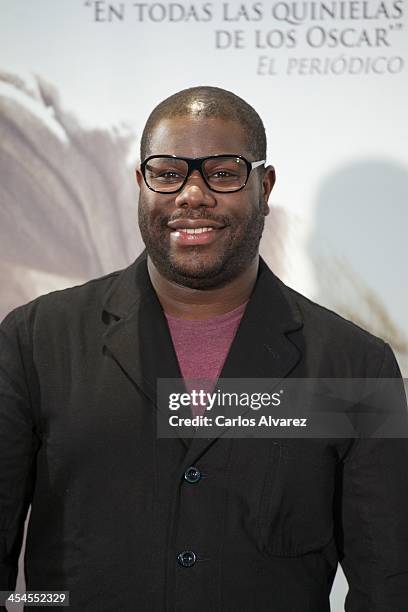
{"type": "Point", "coordinates": [194, 215]}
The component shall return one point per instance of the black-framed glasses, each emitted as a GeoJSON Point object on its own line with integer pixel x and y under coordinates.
{"type": "Point", "coordinates": [221, 173]}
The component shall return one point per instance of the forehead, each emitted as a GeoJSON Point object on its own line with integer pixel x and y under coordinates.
{"type": "Point", "coordinates": [198, 137]}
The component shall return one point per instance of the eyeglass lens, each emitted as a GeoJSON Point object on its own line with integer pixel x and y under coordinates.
{"type": "Point", "coordinates": [222, 173]}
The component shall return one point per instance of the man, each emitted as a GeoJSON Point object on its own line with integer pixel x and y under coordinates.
{"type": "Point", "coordinates": [126, 520]}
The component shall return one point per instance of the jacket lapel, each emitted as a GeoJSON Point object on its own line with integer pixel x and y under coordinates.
{"type": "Point", "coordinates": [137, 334]}
{"type": "Point", "coordinates": [262, 347]}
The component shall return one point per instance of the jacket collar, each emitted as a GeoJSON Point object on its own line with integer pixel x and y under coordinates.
{"type": "Point", "coordinates": [138, 338]}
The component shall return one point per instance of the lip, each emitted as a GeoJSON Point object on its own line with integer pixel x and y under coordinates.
{"type": "Point", "coordinates": [193, 224]}
{"type": "Point", "coordinates": [180, 238]}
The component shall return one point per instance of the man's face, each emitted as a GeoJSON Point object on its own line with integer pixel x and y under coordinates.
{"type": "Point", "coordinates": [215, 257]}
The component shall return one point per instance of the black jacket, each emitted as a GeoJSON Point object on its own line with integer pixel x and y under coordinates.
{"type": "Point", "coordinates": [268, 520]}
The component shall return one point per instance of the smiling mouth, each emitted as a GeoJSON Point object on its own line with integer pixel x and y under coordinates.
{"type": "Point", "coordinates": [195, 236]}
{"type": "Point", "coordinates": [196, 230]}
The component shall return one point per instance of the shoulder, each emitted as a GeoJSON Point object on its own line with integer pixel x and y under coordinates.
{"type": "Point", "coordinates": [335, 344]}
{"type": "Point", "coordinates": [328, 322]}
{"type": "Point", "coordinates": [61, 306]}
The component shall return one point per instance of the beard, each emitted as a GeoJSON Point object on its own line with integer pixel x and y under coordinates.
{"type": "Point", "coordinates": [199, 267]}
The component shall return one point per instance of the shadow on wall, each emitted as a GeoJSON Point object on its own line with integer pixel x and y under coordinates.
{"type": "Point", "coordinates": [359, 250]}
{"type": "Point", "coordinates": [68, 202]}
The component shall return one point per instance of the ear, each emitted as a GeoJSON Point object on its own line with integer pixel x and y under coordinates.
{"type": "Point", "coordinates": [268, 182]}
{"type": "Point", "coordinates": [139, 177]}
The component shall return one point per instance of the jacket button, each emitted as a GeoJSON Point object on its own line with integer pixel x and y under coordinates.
{"type": "Point", "coordinates": [192, 474]}
{"type": "Point", "coordinates": [186, 558]}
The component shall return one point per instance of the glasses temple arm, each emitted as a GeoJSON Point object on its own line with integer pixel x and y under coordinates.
{"type": "Point", "coordinates": [256, 164]}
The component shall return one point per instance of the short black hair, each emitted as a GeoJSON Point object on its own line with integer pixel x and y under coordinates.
{"type": "Point", "coordinates": [207, 102]}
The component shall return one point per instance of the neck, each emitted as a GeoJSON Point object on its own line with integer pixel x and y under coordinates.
{"type": "Point", "coordinates": [186, 303]}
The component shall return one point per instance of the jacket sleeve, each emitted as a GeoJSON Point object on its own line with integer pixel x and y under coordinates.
{"type": "Point", "coordinates": [18, 445]}
{"type": "Point", "coordinates": [372, 530]}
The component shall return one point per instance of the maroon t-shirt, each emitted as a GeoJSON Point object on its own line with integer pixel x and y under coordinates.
{"type": "Point", "coordinates": [202, 346]}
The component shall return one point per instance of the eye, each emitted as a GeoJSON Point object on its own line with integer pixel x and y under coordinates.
{"type": "Point", "coordinates": [164, 175]}
{"type": "Point", "coordinates": [223, 174]}
{"type": "Point", "coordinates": [168, 176]}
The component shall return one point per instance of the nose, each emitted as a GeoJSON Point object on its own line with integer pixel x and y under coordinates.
{"type": "Point", "coordinates": [195, 193]}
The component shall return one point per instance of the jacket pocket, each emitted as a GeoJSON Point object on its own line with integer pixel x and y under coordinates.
{"type": "Point", "coordinates": [296, 511]}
